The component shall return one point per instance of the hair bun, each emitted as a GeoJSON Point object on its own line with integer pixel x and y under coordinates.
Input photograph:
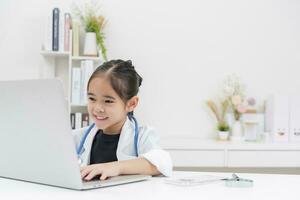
{"type": "Point", "coordinates": [139, 78]}
{"type": "Point", "coordinates": [129, 62]}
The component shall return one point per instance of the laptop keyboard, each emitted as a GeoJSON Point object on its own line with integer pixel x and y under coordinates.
{"type": "Point", "coordinates": [93, 182]}
{"type": "Point", "coordinates": [113, 180]}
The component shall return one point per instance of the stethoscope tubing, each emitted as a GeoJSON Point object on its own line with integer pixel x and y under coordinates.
{"type": "Point", "coordinates": [80, 149]}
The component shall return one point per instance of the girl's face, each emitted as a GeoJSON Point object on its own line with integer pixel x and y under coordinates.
{"type": "Point", "coordinates": [106, 108]}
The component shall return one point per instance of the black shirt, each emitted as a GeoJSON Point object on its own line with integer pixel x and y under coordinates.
{"type": "Point", "coordinates": [104, 148]}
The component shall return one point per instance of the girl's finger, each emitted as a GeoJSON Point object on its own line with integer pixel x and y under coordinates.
{"type": "Point", "coordinates": [103, 177]}
{"type": "Point", "coordinates": [85, 172]}
{"type": "Point", "coordinates": [93, 173]}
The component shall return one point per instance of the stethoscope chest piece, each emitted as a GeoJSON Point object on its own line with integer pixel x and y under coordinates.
{"type": "Point", "coordinates": [238, 182]}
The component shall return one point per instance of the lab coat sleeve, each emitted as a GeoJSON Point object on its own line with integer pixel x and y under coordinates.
{"type": "Point", "coordinates": [77, 135]}
{"type": "Point", "coordinates": [149, 148]}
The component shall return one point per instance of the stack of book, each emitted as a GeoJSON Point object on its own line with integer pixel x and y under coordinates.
{"type": "Point", "coordinates": [80, 120]}
{"type": "Point", "coordinates": [80, 78]}
{"type": "Point", "coordinates": [57, 31]}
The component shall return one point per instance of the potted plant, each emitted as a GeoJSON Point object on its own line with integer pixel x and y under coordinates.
{"type": "Point", "coordinates": [222, 126]}
{"type": "Point", "coordinates": [234, 91]}
{"type": "Point", "coordinates": [223, 131]}
{"type": "Point", "coordinates": [93, 24]}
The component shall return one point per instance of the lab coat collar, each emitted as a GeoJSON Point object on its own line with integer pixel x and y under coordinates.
{"type": "Point", "coordinates": [126, 148]}
{"type": "Point", "coordinates": [127, 134]}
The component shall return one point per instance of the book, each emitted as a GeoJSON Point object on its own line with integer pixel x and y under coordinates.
{"type": "Point", "coordinates": [87, 69]}
{"type": "Point", "coordinates": [72, 116]}
{"type": "Point", "coordinates": [55, 29]}
{"type": "Point", "coordinates": [78, 120]}
{"type": "Point", "coordinates": [85, 119]}
{"type": "Point", "coordinates": [61, 30]}
{"type": "Point", "coordinates": [67, 29]}
{"type": "Point", "coordinates": [75, 30]}
{"type": "Point", "coordinates": [76, 86]}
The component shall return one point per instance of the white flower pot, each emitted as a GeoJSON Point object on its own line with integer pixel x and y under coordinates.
{"type": "Point", "coordinates": [90, 44]}
{"type": "Point", "coordinates": [223, 135]}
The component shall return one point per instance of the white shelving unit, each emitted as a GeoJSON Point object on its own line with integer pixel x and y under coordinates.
{"type": "Point", "coordinates": [57, 58]}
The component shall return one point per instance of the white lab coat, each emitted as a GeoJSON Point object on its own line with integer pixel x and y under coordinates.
{"type": "Point", "coordinates": [148, 146]}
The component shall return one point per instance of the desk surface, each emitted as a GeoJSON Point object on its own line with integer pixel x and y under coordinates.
{"type": "Point", "coordinates": [266, 186]}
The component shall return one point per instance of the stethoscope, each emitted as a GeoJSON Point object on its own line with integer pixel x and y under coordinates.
{"type": "Point", "coordinates": [80, 148]}
{"type": "Point", "coordinates": [237, 181]}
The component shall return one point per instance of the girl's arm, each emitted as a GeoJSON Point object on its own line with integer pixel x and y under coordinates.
{"type": "Point", "coordinates": [133, 166]}
{"type": "Point", "coordinates": [138, 166]}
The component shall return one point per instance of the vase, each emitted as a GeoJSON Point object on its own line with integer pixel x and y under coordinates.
{"type": "Point", "coordinates": [90, 44]}
{"type": "Point", "coordinates": [223, 135]}
{"type": "Point", "coordinates": [237, 130]}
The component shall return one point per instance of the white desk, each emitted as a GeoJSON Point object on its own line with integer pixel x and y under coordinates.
{"type": "Point", "coordinates": [266, 186]}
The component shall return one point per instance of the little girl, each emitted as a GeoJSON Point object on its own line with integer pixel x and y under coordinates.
{"type": "Point", "coordinates": [114, 145]}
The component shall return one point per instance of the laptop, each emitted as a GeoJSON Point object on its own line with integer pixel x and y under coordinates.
{"type": "Point", "coordinates": [36, 142]}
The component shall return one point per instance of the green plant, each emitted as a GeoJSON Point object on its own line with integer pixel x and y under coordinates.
{"type": "Point", "coordinates": [223, 126]}
{"type": "Point", "coordinates": [92, 22]}
{"type": "Point", "coordinates": [220, 116]}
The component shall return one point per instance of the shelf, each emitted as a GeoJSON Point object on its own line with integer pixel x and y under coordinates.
{"type": "Point", "coordinates": [78, 108]}
{"type": "Point", "coordinates": [55, 53]}
{"type": "Point", "coordinates": [85, 58]}
{"type": "Point", "coordinates": [66, 54]}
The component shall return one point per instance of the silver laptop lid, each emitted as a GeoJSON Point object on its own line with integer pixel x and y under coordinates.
{"type": "Point", "coordinates": [36, 144]}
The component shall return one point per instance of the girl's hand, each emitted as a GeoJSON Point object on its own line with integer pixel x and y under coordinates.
{"type": "Point", "coordinates": [105, 170]}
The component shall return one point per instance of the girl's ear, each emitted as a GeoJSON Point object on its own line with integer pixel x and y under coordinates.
{"type": "Point", "coordinates": [132, 103]}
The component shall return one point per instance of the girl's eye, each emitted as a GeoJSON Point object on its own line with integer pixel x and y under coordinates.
{"type": "Point", "coordinates": [92, 99]}
{"type": "Point", "coordinates": [108, 101]}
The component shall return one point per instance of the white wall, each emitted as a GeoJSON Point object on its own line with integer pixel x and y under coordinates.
{"type": "Point", "coordinates": [21, 35]}
{"type": "Point", "coordinates": [183, 49]}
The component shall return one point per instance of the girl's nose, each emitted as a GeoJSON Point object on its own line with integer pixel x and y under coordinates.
{"type": "Point", "coordinates": [99, 108]}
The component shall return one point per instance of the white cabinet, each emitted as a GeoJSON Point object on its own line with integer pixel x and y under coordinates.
{"type": "Point", "coordinates": [263, 158]}
{"type": "Point", "coordinates": [195, 158]}
{"type": "Point", "coordinates": [210, 153]}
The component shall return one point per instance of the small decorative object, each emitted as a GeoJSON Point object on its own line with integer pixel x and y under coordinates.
{"type": "Point", "coordinates": [223, 131]}
{"type": "Point", "coordinates": [222, 126]}
{"type": "Point", "coordinates": [234, 92]}
{"type": "Point", "coordinates": [251, 124]}
{"type": "Point", "coordinates": [93, 23]}
{"type": "Point", "coordinates": [250, 130]}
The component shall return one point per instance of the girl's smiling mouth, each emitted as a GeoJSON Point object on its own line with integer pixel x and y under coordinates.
{"type": "Point", "coordinates": [100, 117]}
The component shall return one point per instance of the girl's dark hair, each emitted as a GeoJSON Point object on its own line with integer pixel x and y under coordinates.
{"type": "Point", "coordinates": [122, 76]}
